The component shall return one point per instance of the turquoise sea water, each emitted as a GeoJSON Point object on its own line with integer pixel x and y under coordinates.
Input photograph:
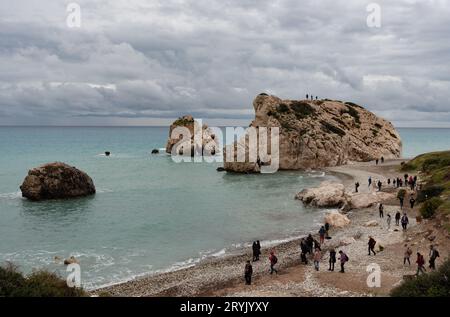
{"type": "Point", "coordinates": [149, 213]}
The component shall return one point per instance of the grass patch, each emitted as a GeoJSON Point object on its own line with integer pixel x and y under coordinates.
{"type": "Point", "coordinates": [430, 206]}
{"type": "Point", "coordinates": [183, 121]}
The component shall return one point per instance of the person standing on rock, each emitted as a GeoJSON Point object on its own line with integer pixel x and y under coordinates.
{"type": "Point", "coordinates": [420, 264]}
{"type": "Point", "coordinates": [398, 215]}
{"type": "Point", "coordinates": [407, 255]}
{"type": "Point", "coordinates": [356, 187]}
{"type": "Point", "coordinates": [255, 251]}
{"type": "Point", "coordinates": [381, 210]}
{"type": "Point", "coordinates": [388, 220]}
{"type": "Point", "coordinates": [344, 259]}
{"type": "Point", "coordinates": [412, 201]}
{"type": "Point", "coordinates": [258, 249]}
{"type": "Point", "coordinates": [317, 257]}
{"type": "Point", "coordinates": [405, 222]}
{"type": "Point", "coordinates": [370, 181]}
{"type": "Point", "coordinates": [273, 260]}
{"type": "Point", "coordinates": [372, 244]}
{"type": "Point", "coordinates": [332, 259]}
{"type": "Point", "coordinates": [433, 255]}
{"type": "Point", "coordinates": [322, 232]}
{"type": "Point", "coordinates": [248, 273]}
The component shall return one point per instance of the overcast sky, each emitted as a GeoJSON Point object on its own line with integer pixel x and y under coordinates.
{"type": "Point", "coordinates": [136, 62]}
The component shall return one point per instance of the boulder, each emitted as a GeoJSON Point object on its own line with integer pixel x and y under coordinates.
{"type": "Point", "coordinates": [336, 219]}
{"type": "Point", "coordinates": [220, 169]}
{"type": "Point", "coordinates": [328, 194]}
{"type": "Point", "coordinates": [107, 153]}
{"type": "Point", "coordinates": [346, 241]}
{"type": "Point", "coordinates": [155, 151]}
{"type": "Point", "coordinates": [316, 134]}
{"type": "Point", "coordinates": [371, 223]}
{"type": "Point", "coordinates": [70, 260]}
{"type": "Point", "coordinates": [55, 181]}
{"type": "Point", "coordinates": [365, 200]}
{"type": "Point", "coordinates": [197, 132]}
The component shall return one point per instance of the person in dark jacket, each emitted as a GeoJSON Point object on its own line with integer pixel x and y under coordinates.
{"type": "Point", "coordinates": [412, 201]}
{"type": "Point", "coordinates": [381, 210]}
{"type": "Point", "coordinates": [420, 264]}
{"type": "Point", "coordinates": [344, 259]}
{"type": "Point", "coordinates": [273, 260]}
{"type": "Point", "coordinates": [332, 259]}
{"type": "Point", "coordinates": [322, 233]}
{"type": "Point", "coordinates": [405, 221]}
{"type": "Point", "coordinates": [327, 228]}
{"type": "Point", "coordinates": [356, 187]}
{"type": "Point", "coordinates": [304, 250]}
{"type": "Point", "coordinates": [398, 215]}
{"type": "Point", "coordinates": [309, 243]}
{"type": "Point", "coordinates": [379, 184]}
{"type": "Point", "coordinates": [433, 255]}
{"type": "Point", "coordinates": [255, 251]}
{"type": "Point", "coordinates": [372, 244]}
{"type": "Point", "coordinates": [248, 273]}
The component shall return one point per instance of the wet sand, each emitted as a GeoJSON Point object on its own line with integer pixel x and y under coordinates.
{"type": "Point", "coordinates": [224, 276]}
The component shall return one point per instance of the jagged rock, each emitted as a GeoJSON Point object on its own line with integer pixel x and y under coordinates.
{"type": "Point", "coordinates": [220, 169]}
{"type": "Point", "coordinates": [155, 151]}
{"type": "Point", "coordinates": [336, 219]}
{"type": "Point", "coordinates": [328, 194]}
{"type": "Point", "coordinates": [316, 134]}
{"type": "Point", "coordinates": [70, 260]}
{"type": "Point", "coordinates": [372, 223]}
{"type": "Point", "coordinates": [107, 153]}
{"type": "Point", "coordinates": [346, 241]}
{"type": "Point", "coordinates": [208, 138]}
{"type": "Point", "coordinates": [56, 180]}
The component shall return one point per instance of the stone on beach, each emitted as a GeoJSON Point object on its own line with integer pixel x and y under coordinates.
{"type": "Point", "coordinates": [56, 181]}
{"type": "Point", "coordinates": [336, 219]}
{"type": "Point", "coordinates": [371, 223]}
{"type": "Point", "coordinates": [346, 241]}
{"type": "Point", "coordinates": [328, 194]}
{"type": "Point", "coordinates": [365, 200]}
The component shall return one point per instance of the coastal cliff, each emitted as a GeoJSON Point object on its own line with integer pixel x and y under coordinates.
{"type": "Point", "coordinates": [320, 133]}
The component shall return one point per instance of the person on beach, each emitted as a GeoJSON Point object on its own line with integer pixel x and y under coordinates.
{"type": "Point", "coordinates": [309, 243]}
{"type": "Point", "coordinates": [344, 259]}
{"type": "Point", "coordinates": [393, 182]}
{"type": "Point", "coordinates": [356, 187]}
{"type": "Point", "coordinates": [304, 250]}
{"type": "Point", "coordinates": [317, 257]}
{"type": "Point", "coordinates": [379, 185]}
{"type": "Point", "coordinates": [406, 179]}
{"type": "Point", "coordinates": [273, 261]}
{"type": "Point", "coordinates": [401, 199]}
{"type": "Point", "coordinates": [381, 210]}
{"type": "Point", "coordinates": [389, 181]}
{"type": "Point", "coordinates": [382, 159]}
{"type": "Point", "coordinates": [372, 244]}
{"type": "Point", "coordinates": [388, 220]}
{"type": "Point", "coordinates": [420, 264]}
{"type": "Point", "coordinates": [327, 228]}
{"type": "Point", "coordinates": [407, 255]}
{"type": "Point", "coordinates": [376, 161]}
{"type": "Point", "coordinates": [248, 273]}
{"type": "Point", "coordinates": [316, 245]}
{"type": "Point", "coordinates": [405, 222]}
{"type": "Point", "coordinates": [412, 201]}
{"type": "Point", "coordinates": [433, 255]}
{"type": "Point", "coordinates": [322, 232]}
{"type": "Point", "coordinates": [398, 215]}
{"type": "Point", "coordinates": [255, 251]}
{"type": "Point", "coordinates": [370, 181]}
{"type": "Point", "coordinates": [332, 259]}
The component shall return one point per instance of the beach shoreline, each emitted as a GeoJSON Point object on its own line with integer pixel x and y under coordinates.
{"type": "Point", "coordinates": [223, 276]}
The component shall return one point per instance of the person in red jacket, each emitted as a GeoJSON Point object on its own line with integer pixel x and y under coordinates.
{"type": "Point", "coordinates": [273, 260]}
{"type": "Point", "coordinates": [420, 264]}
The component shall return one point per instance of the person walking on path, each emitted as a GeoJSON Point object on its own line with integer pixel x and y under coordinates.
{"type": "Point", "coordinates": [388, 220]}
{"type": "Point", "coordinates": [304, 250]}
{"type": "Point", "coordinates": [405, 222]}
{"type": "Point", "coordinates": [370, 181]}
{"type": "Point", "coordinates": [379, 185]}
{"type": "Point", "coordinates": [407, 255]}
{"type": "Point", "coordinates": [398, 215]}
{"type": "Point", "coordinates": [255, 251]}
{"type": "Point", "coordinates": [273, 261]}
{"type": "Point", "coordinates": [356, 187]}
{"type": "Point", "coordinates": [382, 159]}
{"type": "Point", "coordinates": [381, 210]}
{"type": "Point", "coordinates": [248, 273]}
{"type": "Point", "coordinates": [401, 202]}
{"type": "Point", "coordinates": [376, 161]}
{"type": "Point", "coordinates": [332, 259]}
{"type": "Point", "coordinates": [412, 201]}
{"type": "Point", "coordinates": [327, 228]}
{"type": "Point", "coordinates": [309, 243]}
{"type": "Point", "coordinates": [420, 264]}
{"type": "Point", "coordinates": [317, 257]}
{"type": "Point", "coordinates": [322, 232]}
{"type": "Point", "coordinates": [372, 244]}
{"type": "Point", "coordinates": [344, 259]}
{"type": "Point", "coordinates": [433, 255]}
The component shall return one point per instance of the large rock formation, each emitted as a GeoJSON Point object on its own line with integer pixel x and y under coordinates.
{"type": "Point", "coordinates": [315, 134]}
{"type": "Point", "coordinates": [56, 180]}
{"type": "Point", "coordinates": [328, 194]}
{"type": "Point", "coordinates": [208, 138]}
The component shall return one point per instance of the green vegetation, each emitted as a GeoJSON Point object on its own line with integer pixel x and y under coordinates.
{"type": "Point", "coordinates": [302, 109]}
{"type": "Point", "coordinates": [38, 284]}
{"type": "Point", "coordinates": [434, 284]}
{"type": "Point", "coordinates": [401, 193]}
{"type": "Point", "coordinates": [283, 108]}
{"type": "Point", "coordinates": [429, 207]}
{"type": "Point", "coordinates": [183, 121]}
{"type": "Point", "coordinates": [328, 127]}
{"type": "Point", "coordinates": [435, 177]}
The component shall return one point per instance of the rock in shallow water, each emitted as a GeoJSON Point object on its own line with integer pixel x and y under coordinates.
{"type": "Point", "coordinates": [56, 181]}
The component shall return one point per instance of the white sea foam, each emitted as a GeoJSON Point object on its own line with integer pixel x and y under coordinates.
{"type": "Point", "coordinates": [13, 195]}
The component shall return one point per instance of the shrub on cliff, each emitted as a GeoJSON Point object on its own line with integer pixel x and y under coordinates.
{"type": "Point", "coordinates": [38, 284]}
{"type": "Point", "coordinates": [434, 284]}
{"type": "Point", "coordinates": [401, 193]}
{"type": "Point", "coordinates": [429, 207]}
{"type": "Point", "coordinates": [429, 192]}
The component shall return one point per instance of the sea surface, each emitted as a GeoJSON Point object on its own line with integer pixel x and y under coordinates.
{"type": "Point", "coordinates": [150, 214]}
